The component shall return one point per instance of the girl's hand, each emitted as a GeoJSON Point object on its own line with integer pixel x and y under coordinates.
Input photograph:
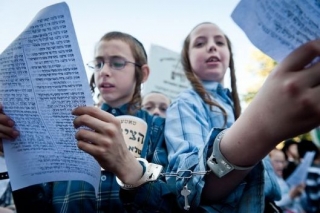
{"type": "Point", "coordinates": [288, 104]}
{"type": "Point", "coordinates": [105, 143]}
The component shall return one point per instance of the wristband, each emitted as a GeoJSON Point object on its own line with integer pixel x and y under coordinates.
{"type": "Point", "coordinates": [218, 164]}
{"type": "Point", "coordinates": [151, 173]}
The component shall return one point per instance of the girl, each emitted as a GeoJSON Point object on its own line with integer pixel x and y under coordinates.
{"type": "Point", "coordinates": [120, 67]}
{"type": "Point", "coordinates": [224, 168]}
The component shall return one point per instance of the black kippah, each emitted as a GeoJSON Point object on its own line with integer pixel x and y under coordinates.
{"type": "Point", "coordinates": [142, 47]}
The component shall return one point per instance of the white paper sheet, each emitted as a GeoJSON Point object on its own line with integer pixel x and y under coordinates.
{"type": "Point", "coordinates": [42, 78]}
{"type": "Point", "coordinates": [278, 27]}
{"type": "Point", "coordinates": [299, 175]}
{"type": "Point", "coordinates": [167, 74]}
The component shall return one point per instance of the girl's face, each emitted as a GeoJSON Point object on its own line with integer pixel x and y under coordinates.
{"type": "Point", "coordinates": [116, 86]}
{"type": "Point", "coordinates": [208, 53]}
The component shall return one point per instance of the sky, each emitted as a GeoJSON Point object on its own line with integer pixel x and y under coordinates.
{"type": "Point", "coordinates": [165, 23]}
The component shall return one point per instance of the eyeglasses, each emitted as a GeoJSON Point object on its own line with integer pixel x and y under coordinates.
{"type": "Point", "coordinates": [114, 62]}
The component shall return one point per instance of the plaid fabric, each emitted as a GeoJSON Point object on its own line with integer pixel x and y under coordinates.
{"type": "Point", "coordinates": [35, 199]}
{"type": "Point", "coordinates": [78, 196]}
{"type": "Point", "coordinates": [190, 130]}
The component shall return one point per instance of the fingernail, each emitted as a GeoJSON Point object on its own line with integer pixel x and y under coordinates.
{"type": "Point", "coordinates": [11, 123]}
{"type": "Point", "coordinates": [15, 133]}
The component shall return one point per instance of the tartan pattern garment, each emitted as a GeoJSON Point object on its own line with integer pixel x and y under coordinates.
{"type": "Point", "coordinates": [79, 196]}
{"type": "Point", "coordinates": [190, 130]}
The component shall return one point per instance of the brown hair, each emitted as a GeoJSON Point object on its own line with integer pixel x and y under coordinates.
{"type": "Point", "coordinates": [197, 85]}
{"type": "Point", "coordinates": [92, 84]}
{"type": "Point", "coordinates": [140, 57]}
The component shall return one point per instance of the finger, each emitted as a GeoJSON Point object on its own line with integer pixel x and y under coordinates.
{"type": "Point", "coordinates": [5, 120]}
{"type": "Point", "coordinates": [8, 137]}
{"type": "Point", "coordinates": [97, 124]}
{"type": "Point", "coordinates": [88, 136]}
{"type": "Point", "coordinates": [86, 120]}
{"type": "Point", "coordinates": [311, 76]}
{"type": "Point", "coordinates": [94, 112]}
{"type": "Point", "coordinates": [312, 97]}
{"type": "Point", "coordinates": [87, 147]}
{"type": "Point", "coordinates": [8, 132]}
{"type": "Point", "coordinates": [301, 57]}
{"type": "Point", "coordinates": [95, 149]}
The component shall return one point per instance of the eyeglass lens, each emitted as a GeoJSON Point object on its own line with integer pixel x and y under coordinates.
{"type": "Point", "coordinates": [115, 62]}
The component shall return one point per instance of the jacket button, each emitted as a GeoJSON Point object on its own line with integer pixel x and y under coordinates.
{"type": "Point", "coordinates": [103, 178]}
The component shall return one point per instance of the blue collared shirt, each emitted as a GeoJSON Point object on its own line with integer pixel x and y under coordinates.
{"type": "Point", "coordinates": [188, 133]}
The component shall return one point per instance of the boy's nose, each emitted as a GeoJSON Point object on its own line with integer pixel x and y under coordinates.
{"type": "Point", "coordinates": [105, 70]}
{"type": "Point", "coordinates": [156, 111]}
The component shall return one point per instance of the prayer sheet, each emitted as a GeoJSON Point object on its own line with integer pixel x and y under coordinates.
{"type": "Point", "coordinates": [278, 27]}
{"type": "Point", "coordinates": [299, 175]}
{"type": "Point", "coordinates": [42, 79]}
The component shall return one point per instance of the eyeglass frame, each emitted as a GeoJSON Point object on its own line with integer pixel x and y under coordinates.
{"type": "Point", "coordinates": [103, 61]}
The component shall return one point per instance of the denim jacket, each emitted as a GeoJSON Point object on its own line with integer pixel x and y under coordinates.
{"type": "Point", "coordinates": [191, 127]}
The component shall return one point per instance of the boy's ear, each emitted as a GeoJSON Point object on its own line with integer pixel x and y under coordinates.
{"type": "Point", "coordinates": [145, 72]}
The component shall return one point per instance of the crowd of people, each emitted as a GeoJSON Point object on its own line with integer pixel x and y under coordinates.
{"type": "Point", "coordinates": [304, 196]}
{"type": "Point", "coordinates": [214, 158]}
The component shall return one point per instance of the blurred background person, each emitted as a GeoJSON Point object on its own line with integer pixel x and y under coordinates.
{"type": "Point", "coordinates": [290, 197]}
{"type": "Point", "coordinates": [156, 103]}
{"type": "Point", "coordinates": [312, 190]}
{"type": "Point", "coordinates": [290, 150]}
{"type": "Point", "coordinates": [6, 198]}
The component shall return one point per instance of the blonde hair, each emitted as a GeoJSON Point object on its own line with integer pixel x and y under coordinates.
{"type": "Point", "coordinates": [140, 57]}
{"type": "Point", "coordinates": [197, 85]}
{"type": "Point", "coordinates": [157, 92]}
